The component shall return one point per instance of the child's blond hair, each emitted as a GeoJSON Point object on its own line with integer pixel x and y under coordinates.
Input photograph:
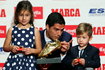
{"type": "Point", "coordinates": [84, 27]}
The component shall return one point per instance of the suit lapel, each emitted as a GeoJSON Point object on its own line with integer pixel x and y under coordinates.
{"type": "Point", "coordinates": [42, 38]}
{"type": "Point", "coordinates": [86, 50]}
{"type": "Point", "coordinates": [76, 51]}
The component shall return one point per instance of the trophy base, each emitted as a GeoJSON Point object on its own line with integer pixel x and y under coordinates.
{"type": "Point", "coordinates": [49, 60]}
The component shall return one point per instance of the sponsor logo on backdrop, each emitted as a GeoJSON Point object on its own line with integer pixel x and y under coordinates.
{"type": "Point", "coordinates": [2, 31]}
{"type": "Point", "coordinates": [2, 13]}
{"type": "Point", "coordinates": [40, 28]}
{"type": "Point", "coordinates": [68, 12]}
{"type": "Point", "coordinates": [71, 29]}
{"type": "Point", "coordinates": [61, 0]}
{"type": "Point", "coordinates": [1, 65]}
{"type": "Point", "coordinates": [2, 0]}
{"type": "Point", "coordinates": [38, 12]}
{"type": "Point", "coordinates": [102, 67]}
{"type": "Point", "coordinates": [98, 30]}
{"type": "Point", "coordinates": [101, 48]}
{"type": "Point", "coordinates": [97, 12]}
{"type": "Point", "coordinates": [1, 50]}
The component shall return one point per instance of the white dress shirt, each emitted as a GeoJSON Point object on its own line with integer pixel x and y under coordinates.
{"type": "Point", "coordinates": [48, 40]}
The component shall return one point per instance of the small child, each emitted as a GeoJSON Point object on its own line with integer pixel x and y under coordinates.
{"type": "Point", "coordinates": [22, 40]}
{"type": "Point", "coordinates": [83, 55]}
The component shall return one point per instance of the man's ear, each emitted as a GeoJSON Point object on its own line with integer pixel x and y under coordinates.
{"type": "Point", "coordinates": [47, 26]}
{"type": "Point", "coordinates": [90, 38]}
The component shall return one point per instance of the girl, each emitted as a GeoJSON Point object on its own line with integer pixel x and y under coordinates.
{"type": "Point", "coordinates": [23, 40]}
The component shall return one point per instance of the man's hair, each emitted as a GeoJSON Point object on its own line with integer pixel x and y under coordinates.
{"type": "Point", "coordinates": [54, 18]}
{"type": "Point", "coordinates": [84, 27]}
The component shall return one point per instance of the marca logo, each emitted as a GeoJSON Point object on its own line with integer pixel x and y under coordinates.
{"type": "Point", "coordinates": [97, 12]}
{"type": "Point", "coordinates": [71, 29]}
{"type": "Point", "coordinates": [101, 48]}
{"type": "Point", "coordinates": [38, 12]}
{"type": "Point", "coordinates": [2, 31]}
{"type": "Point", "coordinates": [96, 30]}
{"type": "Point", "coordinates": [2, 13]}
{"type": "Point", "coordinates": [99, 30]}
{"type": "Point", "coordinates": [68, 12]}
{"type": "Point", "coordinates": [1, 66]}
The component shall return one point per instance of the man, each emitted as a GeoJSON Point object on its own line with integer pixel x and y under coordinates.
{"type": "Point", "coordinates": [55, 24]}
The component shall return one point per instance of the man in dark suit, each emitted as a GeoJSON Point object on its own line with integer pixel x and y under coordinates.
{"type": "Point", "coordinates": [83, 55]}
{"type": "Point", "coordinates": [55, 24]}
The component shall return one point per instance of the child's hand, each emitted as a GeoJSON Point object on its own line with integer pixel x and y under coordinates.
{"type": "Point", "coordinates": [75, 62]}
{"type": "Point", "coordinates": [27, 51]}
{"type": "Point", "coordinates": [14, 49]}
{"type": "Point", "coordinates": [82, 61]}
{"type": "Point", "coordinates": [20, 49]}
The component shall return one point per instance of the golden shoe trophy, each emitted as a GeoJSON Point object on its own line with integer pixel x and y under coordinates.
{"type": "Point", "coordinates": [49, 48]}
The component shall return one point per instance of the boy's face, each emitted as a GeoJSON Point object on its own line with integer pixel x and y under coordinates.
{"type": "Point", "coordinates": [83, 39]}
{"type": "Point", "coordinates": [55, 31]}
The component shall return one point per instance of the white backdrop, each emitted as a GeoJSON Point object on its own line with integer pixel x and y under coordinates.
{"type": "Point", "coordinates": [74, 12]}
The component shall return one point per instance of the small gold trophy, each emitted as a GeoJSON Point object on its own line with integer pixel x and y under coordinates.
{"type": "Point", "coordinates": [49, 48]}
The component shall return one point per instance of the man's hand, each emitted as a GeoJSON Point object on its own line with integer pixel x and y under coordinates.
{"type": "Point", "coordinates": [65, 46]}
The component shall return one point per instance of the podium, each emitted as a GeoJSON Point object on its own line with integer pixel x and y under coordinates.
{"type": "Point", "coordinates": [44, 63]}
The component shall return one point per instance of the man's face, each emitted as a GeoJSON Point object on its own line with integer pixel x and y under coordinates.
{"type": "Point", "coordinates": [55, 31]}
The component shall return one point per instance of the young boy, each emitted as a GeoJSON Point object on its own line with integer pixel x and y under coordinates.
{"type": "Point", "coordinates": [83, 55]}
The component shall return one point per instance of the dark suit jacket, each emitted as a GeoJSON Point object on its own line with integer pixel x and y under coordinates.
{"type": "Point", "coordinates": [90, 54]}
{"type": "Point", "coordinates": [64, 37]}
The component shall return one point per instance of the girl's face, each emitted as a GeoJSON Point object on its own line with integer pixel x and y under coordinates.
{"type": "Point", "coordinates": [24, 17]}
{"type": "Point", "coordinates": [83, 39]}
